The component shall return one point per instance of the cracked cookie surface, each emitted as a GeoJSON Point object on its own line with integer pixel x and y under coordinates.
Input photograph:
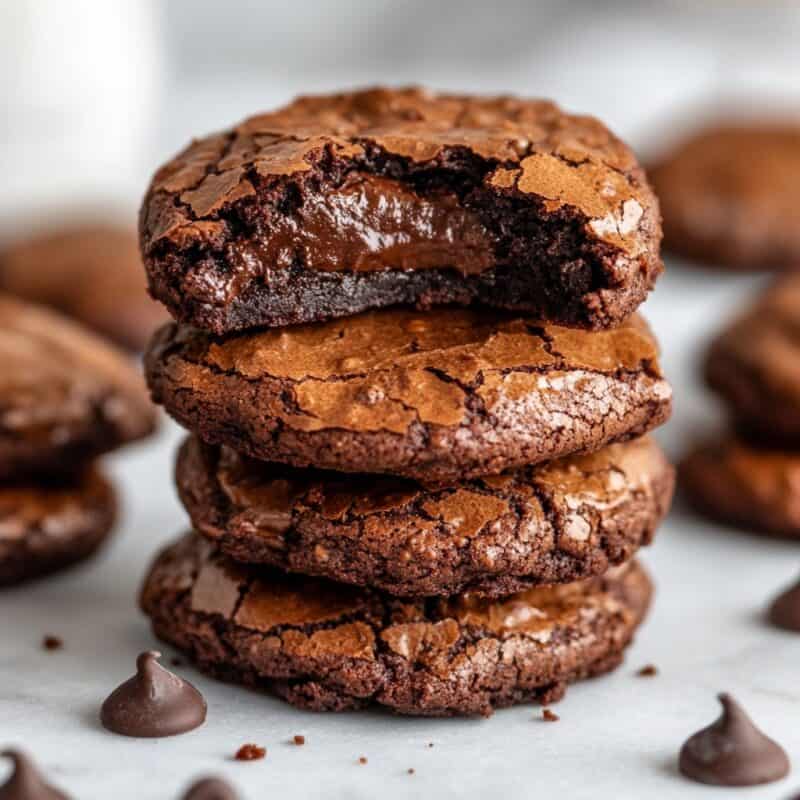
{"type": "Point", "coordinates": [341, 203]}
{"type": "Point", "coordinates": [65, 395]}
{"type": "Point", "coordinates": [555, 523]}
{"type": "Point", "coordinates": [444, 395]}
{"type": "Point", "coordinates": [326, 646]}
{"type": "Point", "coordinates": [53, 523]}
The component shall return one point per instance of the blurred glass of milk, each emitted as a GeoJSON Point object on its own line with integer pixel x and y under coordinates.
{"type": "Point", "coordinates": [78, 82]}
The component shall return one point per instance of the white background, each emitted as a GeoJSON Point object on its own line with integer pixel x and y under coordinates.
{"type": "Point", "coordinates": [97, 96]}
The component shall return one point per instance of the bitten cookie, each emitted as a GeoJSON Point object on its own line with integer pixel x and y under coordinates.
{"type": "Point", "coordinates": [90, 272]}
{"type": "Point", "coordinates": [729, 195]}
{"type": "Point", "coordinates": [65, 396]}
{"type": "Point", "coordinates": [53, 523]}
{"type": "Point", "coordinates": [754, 364]}
{"type": "Point", "coordinates": [445, 395]}
{"type": "Point", "coordinates": [338, 204]}
{"type": "Point", "coordinates": [555, 523]}
{"type": "Point", "coordinates": [744, 485]}
{"type": "Point", "coordinates": [326, 646]}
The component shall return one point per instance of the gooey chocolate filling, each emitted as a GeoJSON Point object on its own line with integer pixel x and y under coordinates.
{"type": "Point", "coordinates": [372, 223]}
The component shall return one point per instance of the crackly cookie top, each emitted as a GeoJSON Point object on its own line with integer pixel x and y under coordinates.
{"type": "Point", "coordinates": [529, 148]}
{"type": "Point", "coordinates": [580, 492]}
{"type": "Point", "coordinates": [386, 370]}
{"type": "Point", "coordinates": [55, 375]}
{"type": "Point", "coordinates": [350, 622]}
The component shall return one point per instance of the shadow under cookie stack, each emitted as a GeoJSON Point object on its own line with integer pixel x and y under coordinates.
{"type": "Point", "coordinates": [418, 393]}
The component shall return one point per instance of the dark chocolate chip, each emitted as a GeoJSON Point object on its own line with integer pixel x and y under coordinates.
{"type": "Point", "coordinates": [52, 643]}
{"type": "Point", "coordinates": [785, 609]}
{"type": "Point", "coordinates": [153, 703]}
{"type": "Point", "coordinates": [648, 671]}
{"type": "Point", "coordinates": [25, 782]}
{"type": "Point", "coordinates": [732, 751]}
{"type": "Point", "coordinates": [210, 789]}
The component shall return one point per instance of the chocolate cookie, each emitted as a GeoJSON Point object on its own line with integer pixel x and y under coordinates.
{"type": "Point", "coordinates": [729, 195]}
{"type": "Point", "coordinates": [744, 485]}
{"type": "Point", "coordinates": [90, 272]}
{"type": "Point", "coordinates": [53, 523]}
{"type": "Point", "coordinates": [754, 364]}
{"type": "Point", "coordinates": [65, 396]}
{"type": "Point", "coordinates": [555, 523]}
{"type": "Point", "coordinates": [338, 204]}
{"type": "Point", "coordinates": [445, 395]}
{"type": "Point", "coordinates": [327, 646]}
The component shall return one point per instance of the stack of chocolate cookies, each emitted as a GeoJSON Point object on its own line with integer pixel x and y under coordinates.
{"type": "Point", "coordinates": [418, 393]}
{"type": "Point", "coordinates": [66, 397]}
{"type": "Point", "coordinates": [749, 475]}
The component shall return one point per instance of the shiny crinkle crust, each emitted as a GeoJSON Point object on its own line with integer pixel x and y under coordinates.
{"type": "Point", "coordinates": [444, 395]}
{"type": "Point", "coordinates": [555, 523]}
{"type": "Point", "coordinates": [325, 646]}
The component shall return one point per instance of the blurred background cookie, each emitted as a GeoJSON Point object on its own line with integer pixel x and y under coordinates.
{"type": "Point", "coordinates": [730, 195]}
{"type": "Point", "coordinates": [745, 485]}
{"type": "Point", "coordinates": [51, 523]}
{"type": "Point", "coordinates": [90, 271]}
{"type": "Point", "coordinates": [753, 364]}
{"type": "Point", "coordinates": [65, 395]}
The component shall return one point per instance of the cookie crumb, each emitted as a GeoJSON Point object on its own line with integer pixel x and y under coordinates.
{"type": "Point", "coordinates": [430, 744]}
{"type": "Point", "coordinates": [250, 752]}
{"type": "Point", "coordinates": [362, 760]}
{"type": "Point", "coordinates": [298, 739]}
{"type": "Point", "coordinates": [50, 642]}
{"type": "Point", "coordinates": [411, 770]}
{"type": "Point", "coordinates": [648, 671]}
{"type": "Point", "coordinates": [549, 716]}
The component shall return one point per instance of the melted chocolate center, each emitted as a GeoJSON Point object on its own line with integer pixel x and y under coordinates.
{"type": "Point", "coordinates": [371, 223]}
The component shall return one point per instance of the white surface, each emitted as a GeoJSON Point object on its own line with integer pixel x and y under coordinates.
{"type": "Point", "coordinates": [618, 736]}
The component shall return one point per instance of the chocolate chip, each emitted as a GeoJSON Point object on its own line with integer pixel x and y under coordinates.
{"type": "Point", "coordinates": [785, 609]}
{"type": "Point", "coordinates": [250, 752]}
{"type": "Point", "coordinates": [550, 716]}
{"type": "Point", "coordinates": [52, 642]}
{"type": "Point", "coordinates": [153, 703]}
{"type": "Point", "coordinates": [210, 789]}
{"type": "Point", "coordinates": [25, 782]}
{"type": "Point", "coordinates": [732, 751]}
{"type": "Point", "coordinates": [648, 671]}
{"type": "Point", "coordinates": [298, 740]}
{"type": "Point", "coordinates": [411, 770]}
{"type": "Point", "coordinates": [362, 760]}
